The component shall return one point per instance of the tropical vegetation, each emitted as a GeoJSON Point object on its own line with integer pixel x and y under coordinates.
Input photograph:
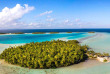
{"type": "Point", "coordinates": [38, 33]}
{"type": "Point", "coordinates": [18, 33]}
{"type": "Point", "coordinates": [68, 32]}
{"type": "Point", "coordinates": [91, 32]}
{"type": "Point", "coordinates": [77, 32]}
{"type": "Point", "coordinates": [53, 32]}
{"type": "Point", "coordinates": [92, 54]}
{"type": "Point", "coordinates": [49, 54]}
{"type": "Point", "coordinates": [3, 33]}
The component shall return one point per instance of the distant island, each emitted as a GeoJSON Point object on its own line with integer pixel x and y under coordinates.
{"type": "Point", "coordinates": [3, 33]}
{"type": "Point", "coordinates": [38, 33]}
{"type": "Point", "coordinates": [68, 32]}
{"type": "Point", "coordinates": [13, 33]}
{"type": "Point", "coordinates": [53, 32]}
{"type": "Point", "coordinates": [18, 33]}
{"type": "Point", "coordinates": [91, 32]}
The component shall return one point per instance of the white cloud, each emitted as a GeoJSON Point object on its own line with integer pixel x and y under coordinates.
{"type": "Point", "coordinates": [45, 13]}
{"type": "Point", "coordinates": [32, 25]}
{"type": "Point", "coordinates": [11, 16]}
{"type": "Point", "coordinates": [48, 16]}
{"type": "Point", "coordinates": [66, 21]}
{"type": "Point", "coordinates": [50, 20]}
{"type": "Point", "coordinates": [35, 24]}
{"type": "Point", "coordinates": [77, 20]}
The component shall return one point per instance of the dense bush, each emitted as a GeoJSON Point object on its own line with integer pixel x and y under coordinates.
{"type": "Point", "coordinates": [53, 32]}
{"type": "Point", "coordinates": [91, 32]}
{"type": "Point", "coordinates": [49, 54]}
{"type": "Point", "coordinates": [3, 33]}
{"type": "Point", "coordinates": [38, 32]}
{"type": "Point", "coordinates": [68, 32]}
{"type": "Point", "coordinates": [92, 54]}
{"type": "Point", "coordinates": [18, 33]}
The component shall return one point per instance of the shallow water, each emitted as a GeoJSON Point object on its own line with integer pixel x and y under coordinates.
{"type": "Point", "coordinates": [100, 43]}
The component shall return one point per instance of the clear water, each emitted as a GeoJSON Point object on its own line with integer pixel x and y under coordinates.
{"type": "Point", "coordinates": [27, 38]}
{"type": "Point", "coordinates": [99, 43]}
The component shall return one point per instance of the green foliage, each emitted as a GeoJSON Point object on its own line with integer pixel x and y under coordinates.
{"type": "Point", "coordinates": [106, 54]}
{"type": "Point", "coordinates": [18, 33]}
{"type": "Point", "coordinates": [53, 32]}
{"type": "Point", "coordinates": [77, 32]}
{"type": "Point", "coordinates": [38, 32]}
{"type": "Point", "coordinates": [49, 54]}
{"type": "Point", "coordinates": [91, 32]}
{"type": "Point", "coordinates": [105, 60]}
{"type": "Point", "coordinates": [3, 33]}
{"type": "Point", "coordinates": [93, 54]}
{"type": "Point", "coordinates": [68, 32]}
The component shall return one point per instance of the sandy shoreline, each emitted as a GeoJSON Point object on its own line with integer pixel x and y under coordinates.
{"type": "Point", "coordinates": [82, 39]}
{"type": "Point", "coordinates": [6, 68]}
{"type": "Point", "coordinates": [97, 35]}
{"type": "Point", "coordinates": [4, 46]}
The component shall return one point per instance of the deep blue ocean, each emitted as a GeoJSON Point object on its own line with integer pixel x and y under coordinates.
{"type": "Point", "coordinates": [52, 30]}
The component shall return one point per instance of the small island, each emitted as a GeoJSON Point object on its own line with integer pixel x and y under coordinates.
{"type": "Point", "coordinates": [38, 33]}
{"type": "Point", "coordinates": [102, 57]}
{"type": "Point", "coordinates": [3, 33]}
{"type": "Point", "coordinates": [18, 33]}
{"type": "Point", "coordinates": [91, 32]}
{"type": "Point", "coordinates": [68, 32]}
{"type": "Point", "coordinates": [77, 32]}
{"type": "Point", "coordinates": [53, 32]}
{"type": "Point", "coordinates": [49, 54]}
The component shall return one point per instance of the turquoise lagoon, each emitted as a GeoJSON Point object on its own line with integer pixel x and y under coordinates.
{"type": "Point", "coordinates": [99, 43]}
{"type": "Point", "coordinates": [27, 38]}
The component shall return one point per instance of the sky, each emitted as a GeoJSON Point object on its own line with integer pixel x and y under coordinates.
{"type": "Point", "coordinates": [54, 14]}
